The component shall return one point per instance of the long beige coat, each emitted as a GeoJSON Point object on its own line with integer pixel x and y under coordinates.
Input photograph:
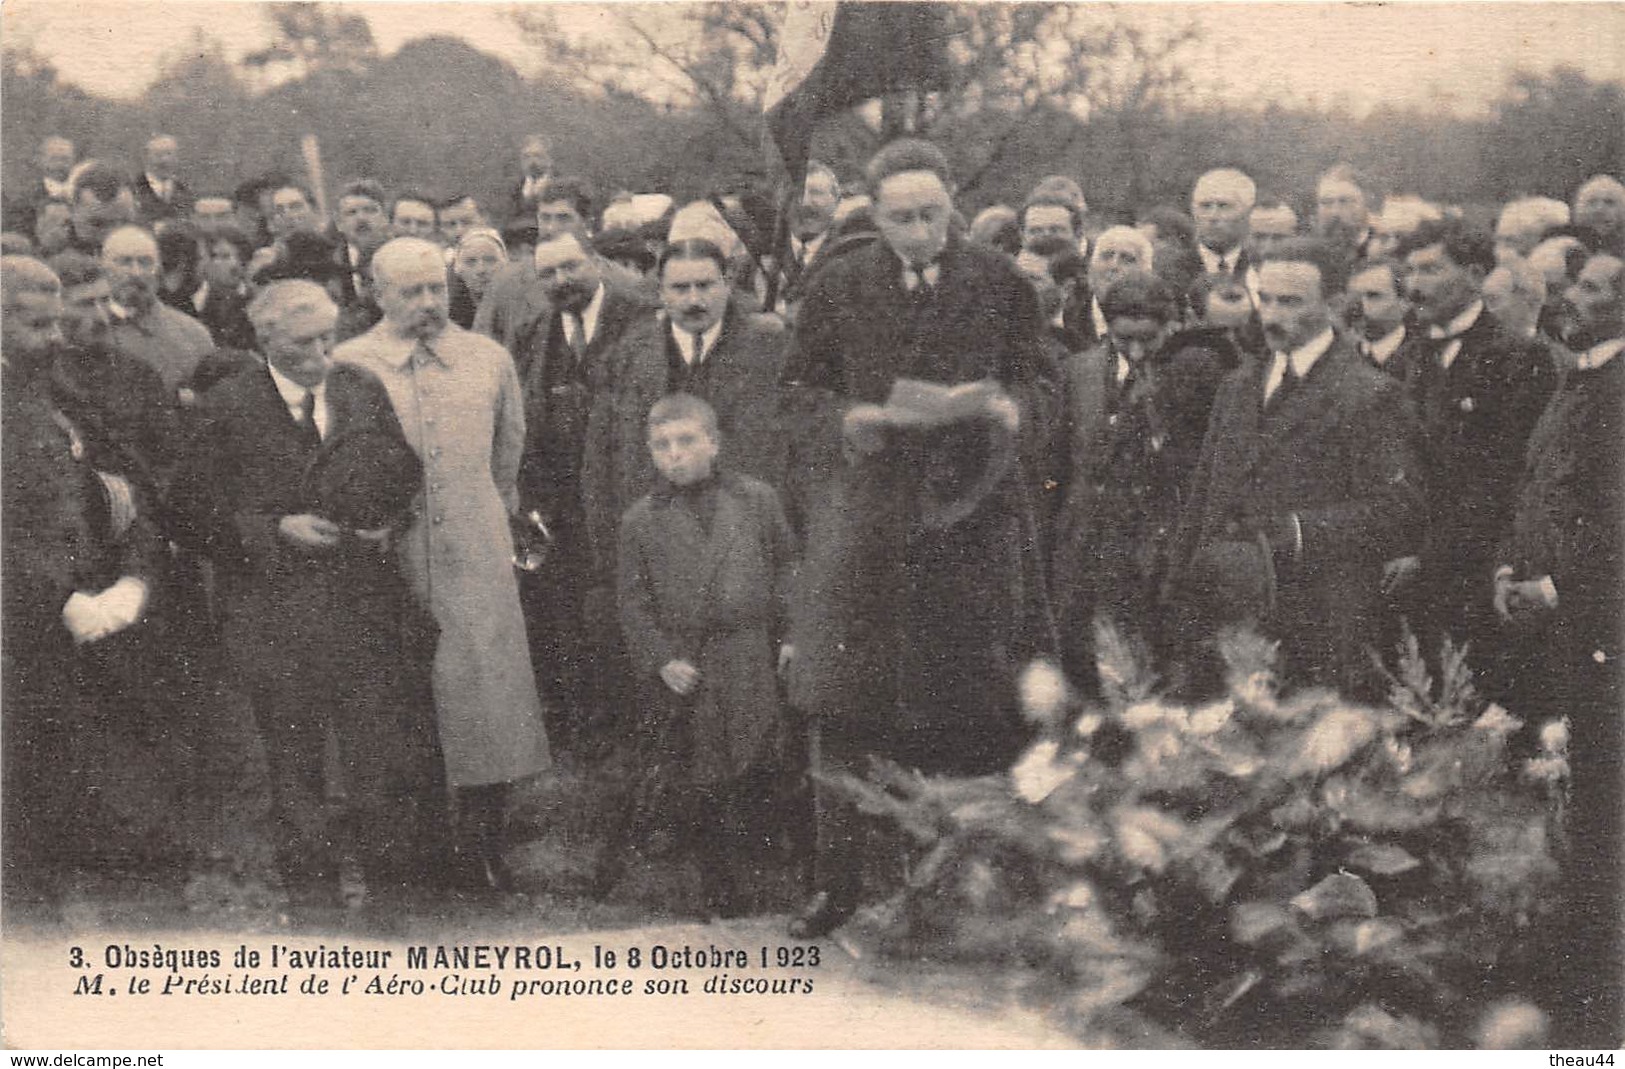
{"type": "Point", "coordinates": [459, 402]}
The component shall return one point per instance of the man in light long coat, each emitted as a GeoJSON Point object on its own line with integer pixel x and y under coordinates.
{"type": "Point", "coordinates": [459, 402]}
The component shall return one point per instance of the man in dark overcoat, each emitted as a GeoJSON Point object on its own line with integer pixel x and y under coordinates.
{"type": "Point", "coordinates": [299, 474]}
{"type": "Point", "coordinates": [1310, 479]}
{"type": "Point", "coordinates": [81, 557]}
{"type": "Point", "coordinates": [563, 344]}
{"type": "Point", "coordinates": [1479, 392]}
{"type": "Point", "coordinates": [702, 343]}
{"type": "Point", "coordinates": [1558, 593]}
{"type": "Point", "coordinates": [912, 634]}
{"type": "Point", "coordinates": [1138, 408]}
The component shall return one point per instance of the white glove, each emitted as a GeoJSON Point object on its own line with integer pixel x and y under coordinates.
{"type": "Point", "coordinates": [91, 617]}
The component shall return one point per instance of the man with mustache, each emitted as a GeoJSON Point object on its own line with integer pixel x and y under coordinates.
{"type": "Point", "coordinates": [1479, 391]}
{"type": "Point", "coordinates": [810, 223]}
{"type": "Point", "coordinates": [1558, 591]}
{"type": "Point", "coordinates": [700, 342]}
{"type": "Point", "coordinates": [564, 356]}
{"type": "Point", "coordinates": [459, 403]}
{"type": "Point", "coordinates": [1309, 481]}
{"type": "Point", "coordinates": [169, 341]}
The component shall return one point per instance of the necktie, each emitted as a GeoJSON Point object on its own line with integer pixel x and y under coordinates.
{"type": "Point", "coordinates": [696, 348]}
{"type": "Point", "coordinates": [307, 415]}
{"type": "Point", "coordinates": [1283, 378]}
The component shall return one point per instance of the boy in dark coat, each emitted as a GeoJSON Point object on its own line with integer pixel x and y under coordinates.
{"type": "Point", "coordinates": [703, 566]}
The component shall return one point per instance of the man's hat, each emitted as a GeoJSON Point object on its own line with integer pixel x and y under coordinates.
{"type": "Point", "coordinates": [952, 437]}
{"type": "Point", "coordinates": [366, 475]}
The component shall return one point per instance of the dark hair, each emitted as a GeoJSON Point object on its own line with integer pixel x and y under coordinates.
{"type": "Point", "coordinates": [1315, 252]}
{"type": "Point", "coordinates": [178, 247]}
{"type": "Point", "coordinates": [305, 255]}
{"type": "Point", "coordinates": [457, 198]}
{"type": "Point", "coordinates": [901, 157]}
{"type": "Point", "coordinates": [233, 234]}
{"type": "Point", "coordinates": [625, 246]}
{"type": "Point", "coordinates": [1466, 246]}
{"type": "Point", "coordinates": [102, 181]}
{"type": "Point", "coordinates": [1007, 238]}
{"type": "Point", "coordinates": [1173, 225]}
{"type": "Point", "coordinates": [570, 188]}
{"type": "Point", "coordinates": [676, 406]}
{"type": "Point", "coordinates": [364, 187]}
{"type": "Point", "coordinates": [413, 195]}
{"type": "Point", "coordinates": [692, 249]}
{"type": "Point", "coordinates": [75, 269]}
{"type": "Point", "coordinates": [519, 232]}
{"type": "Point", "coordinates": [249, 192]}
{"type": "Point", "coordinates": [1140, 295]}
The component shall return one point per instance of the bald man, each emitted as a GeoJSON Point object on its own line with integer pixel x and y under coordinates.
{"type": "Point", "coordinates": [459, 402]}
{"type": "Point", "coordinates": [171, 342]}
{"type": "Point", "coordinates": [298, 476]}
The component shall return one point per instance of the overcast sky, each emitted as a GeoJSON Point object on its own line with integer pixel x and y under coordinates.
{"type": "Point", "coordinates": [1447, 56]}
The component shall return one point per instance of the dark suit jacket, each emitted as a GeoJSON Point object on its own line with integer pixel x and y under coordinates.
{"type": "Point", "coordinates": [1569, 522]}
{"type": "Point", "coordinates": [1341, 453]}
{"type": "Point", "coordinates": [1132, 448]}
{"type": "Point", "coordinates": [1477, 417]}
{"type": "Point", "coordinates": [58, 536]}
{"type": "Point", "coordinates": [913, 635]}
{"type": "Point", "coordinates": [153, 209]}
{"type": "Point", "coordinates": [740, 379]}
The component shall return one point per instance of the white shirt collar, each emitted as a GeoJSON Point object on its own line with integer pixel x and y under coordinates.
{"type": "Point", "coordinates": [588, 316]}
{"type": "Point", "coordinates": [61, 190]}
{"type": "Point", "coordinates": [293, 395]}
{"type": "Point", "coordinates": [1216, 262]}
{"type": "Point", "coordinates": [1124, 369]}
{"type": "Point", "coordinates": [1301, 359]}
{"type": "Point", "coordinates": [1459, 325]}
{"type": "Point", "coordinates": [160, 186]}
{"type": "Point", "coordinates": [200, 297]}
{"type": "Point", "coordinates": [1598, 355]}
{"type": "Point", "coordinates": [1097, 317]}
{"type": "Point", "coordinates": [685, 341]}
{"type": "Point", "coordinates": [120, 313]}
{"type": "Point", "coordinates": [1304, 357]}
{"type": "Point", "coordinates": [1387, 345]}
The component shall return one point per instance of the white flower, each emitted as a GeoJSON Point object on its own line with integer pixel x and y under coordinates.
{"type": "Point", "coordinates": [1043, 691]}
{"type": "Point", "coordinates": [1212, 718]}
{"type": "Point", "coordinates": [1078, 896]}
{"type": "Point", "coordinates": [1548, 769]}
{"type": "Point", "coordinates": [1038, 773]}
{"type": "Point", "coordinates": [1497, 721]}
{"type": "Point", "coordinates": [1336, 737]}
{"type": "Point", "coordinates": [1554, 737]}
{"type": "Point", "coordinates": [1089, 723]}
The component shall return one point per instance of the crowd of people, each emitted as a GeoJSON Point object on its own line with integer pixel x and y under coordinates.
{"type": "Point", "coordinates": [439, 492]}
